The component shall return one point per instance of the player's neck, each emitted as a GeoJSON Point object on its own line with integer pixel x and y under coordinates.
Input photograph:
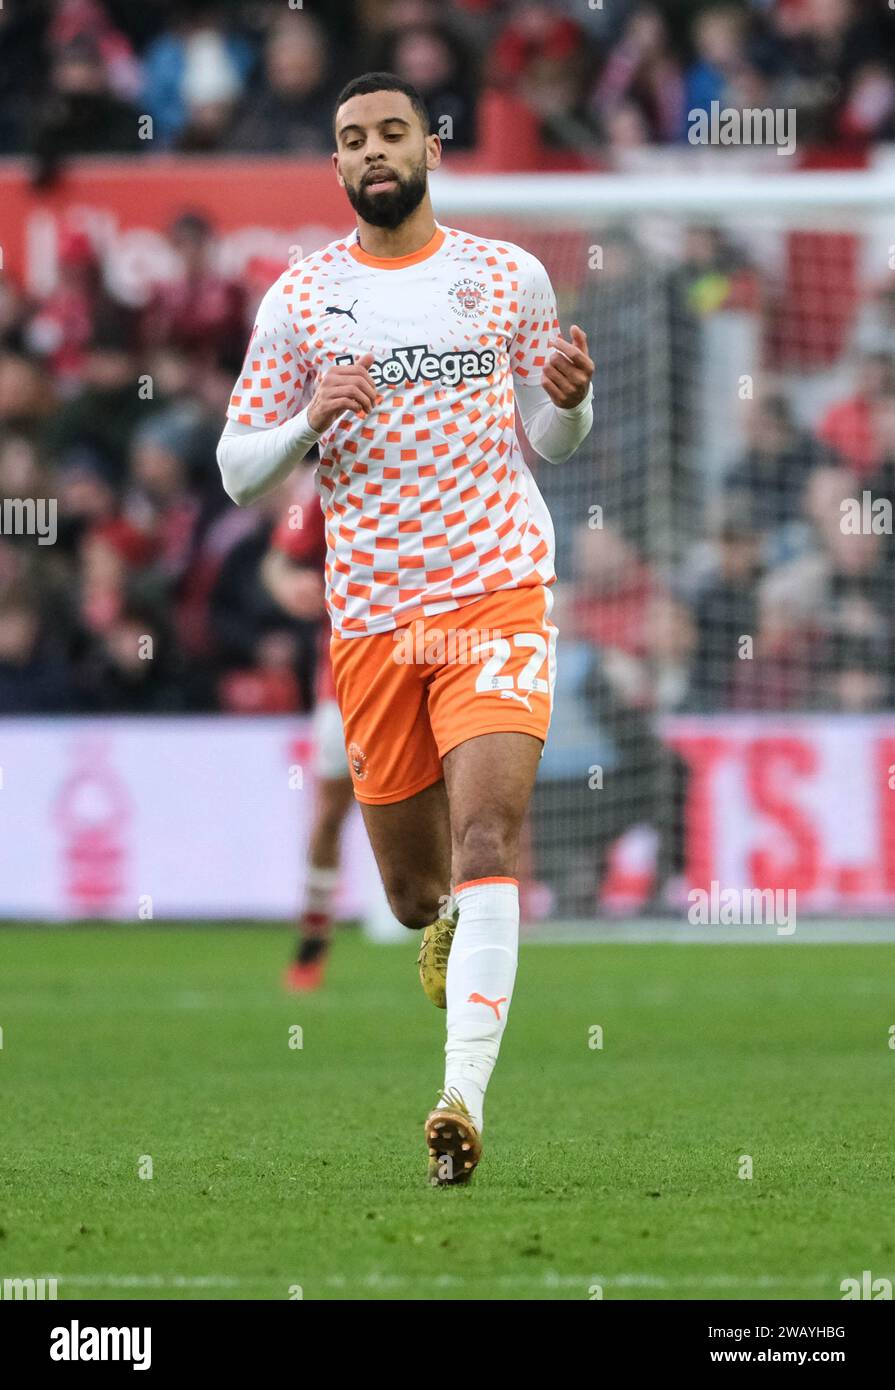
{"type": "Point", "coordinates": [391, 243]}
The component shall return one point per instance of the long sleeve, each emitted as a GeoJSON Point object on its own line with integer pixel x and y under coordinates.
{"type": "Point", "coordinates": [267, 431]}
{"type": "Point", "coordinates": [553, 433]}
{"type": "Point", "coordinates": [252, 461]}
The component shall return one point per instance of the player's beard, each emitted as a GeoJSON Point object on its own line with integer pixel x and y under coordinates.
{"type": "Point", "coordinates": [390, 209]}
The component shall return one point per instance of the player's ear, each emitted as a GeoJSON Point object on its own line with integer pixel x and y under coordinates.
{"type": "Point", "coordinates": [433, 151]}
{"type": "Point", "coordinates": [335, 159]}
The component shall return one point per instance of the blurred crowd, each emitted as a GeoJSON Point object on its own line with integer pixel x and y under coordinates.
{"type": "Point", "coordinates": [149, 600]}
{"type": "Point", "coordinates": [743, 590]}
{"type": "Point", "coordinates": [81, 76]}
{"type": "Point", "coordinates": [757, 574]}
{"type": "Point", "coordinates": [709, 579]}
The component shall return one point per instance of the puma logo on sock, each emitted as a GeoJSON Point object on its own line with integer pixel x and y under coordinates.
{"type": "Point", "coordinates": [491, 1003]}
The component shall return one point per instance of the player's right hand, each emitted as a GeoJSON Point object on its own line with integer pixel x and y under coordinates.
{"type": "Point", "coordinates": [340, 389]}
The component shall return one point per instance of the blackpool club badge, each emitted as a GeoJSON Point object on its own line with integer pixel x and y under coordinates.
{"type": "Point", "coordinates": [358, 759]}
{"type": "Point", "coordinates": [467, 298]}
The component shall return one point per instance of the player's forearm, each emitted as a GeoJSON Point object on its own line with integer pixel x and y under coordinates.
{"type": "Point", "coordinates": [252, 461]}
{"type": "Point", "coordinates": [553, 433]}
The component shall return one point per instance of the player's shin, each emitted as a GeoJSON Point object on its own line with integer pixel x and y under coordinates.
{"type": "Point", "coordinates": [480, 976]}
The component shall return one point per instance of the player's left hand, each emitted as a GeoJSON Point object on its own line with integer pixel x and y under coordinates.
{"type": "Point", "coordinates": [568, 372]}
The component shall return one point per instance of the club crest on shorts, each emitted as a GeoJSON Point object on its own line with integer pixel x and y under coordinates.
{"type": "Point", "coordinates": [358, 760]}
{"type": "Point", "coordinates": [467, 298]}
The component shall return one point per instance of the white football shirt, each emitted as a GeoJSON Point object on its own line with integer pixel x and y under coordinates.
{"type": "Point", "coordinates": [428, 501]}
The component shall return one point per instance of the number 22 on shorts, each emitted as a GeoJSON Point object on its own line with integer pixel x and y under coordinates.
{"type": "Point", "coordinates": [491, 679]}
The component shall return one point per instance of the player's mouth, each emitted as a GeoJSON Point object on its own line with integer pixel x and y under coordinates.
{"type": "Point", "coordinates": [381, 181]}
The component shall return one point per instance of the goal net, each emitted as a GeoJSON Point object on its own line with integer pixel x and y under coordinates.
{"type": "Point", "coordinates": [724, 567]}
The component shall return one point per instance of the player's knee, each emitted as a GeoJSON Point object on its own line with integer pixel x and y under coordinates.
{"type": "Point", "coordinates": [414, 908]}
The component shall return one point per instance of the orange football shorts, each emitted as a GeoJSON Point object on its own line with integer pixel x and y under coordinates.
{"type": "Point", "coordinates": [407, 697]}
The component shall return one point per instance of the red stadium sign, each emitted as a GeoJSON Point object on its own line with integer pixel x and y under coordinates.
{"type": "Point", "coordinates": [262, 209]}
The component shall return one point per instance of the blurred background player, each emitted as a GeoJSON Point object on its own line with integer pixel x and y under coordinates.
{"type": "Point", "coordinates": [292, 572]}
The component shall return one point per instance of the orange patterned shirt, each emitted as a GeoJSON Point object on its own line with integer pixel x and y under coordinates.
{"type": "Point", "coordinates": [428, 501]}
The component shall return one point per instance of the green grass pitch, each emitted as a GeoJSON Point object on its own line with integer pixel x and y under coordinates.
{"type": "Point", "coordinates": [277, 1167]}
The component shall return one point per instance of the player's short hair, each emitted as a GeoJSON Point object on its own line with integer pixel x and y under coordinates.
{"type": "Point", "coordinates": [383, 82]}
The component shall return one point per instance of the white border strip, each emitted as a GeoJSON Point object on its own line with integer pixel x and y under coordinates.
{"type": "Point", "coordinates": [593, 195]}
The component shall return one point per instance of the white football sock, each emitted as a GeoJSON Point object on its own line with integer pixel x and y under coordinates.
{"type": "Point", "coordinates": [480, 975]}
{"type": "Point", "coordinates": [320, 890]}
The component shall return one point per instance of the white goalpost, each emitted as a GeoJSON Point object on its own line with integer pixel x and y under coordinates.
{"type": "Point", "coordinates": [727, 313]}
